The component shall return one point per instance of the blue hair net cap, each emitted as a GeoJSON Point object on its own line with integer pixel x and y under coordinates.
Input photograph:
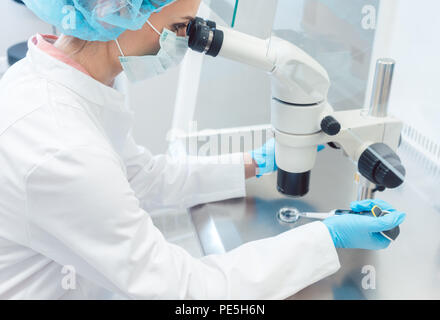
{"type": "Point", "coordinates": [95, 20]}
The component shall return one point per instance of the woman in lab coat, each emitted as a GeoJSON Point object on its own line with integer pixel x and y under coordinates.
{"type": "Point", "coordinates": [75, 188]}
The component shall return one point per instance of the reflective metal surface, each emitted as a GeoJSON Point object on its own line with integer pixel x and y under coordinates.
{"type": "Point", "coordinates": [365, 189]}
{"type": "Point", "coordinates": [408, 269]}
{"type": "Point", "coordinates": [177, 228]}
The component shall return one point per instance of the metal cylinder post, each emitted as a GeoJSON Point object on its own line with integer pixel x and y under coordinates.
{"type": "Point", "coordinates": [380, 97]}
{"type": "Point", "coordinates": [383, 80]}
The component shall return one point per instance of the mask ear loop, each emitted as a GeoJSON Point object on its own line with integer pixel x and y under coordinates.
{"type": "Point", "coordinates": [119, 47]}
{"type": "Point", "coordinates": [152, 27]}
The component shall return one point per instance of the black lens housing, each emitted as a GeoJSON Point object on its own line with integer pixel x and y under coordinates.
{"type": "Point", "coordinates": [204, 37]}
{"type": "Point", "coordinates": [293, 184]}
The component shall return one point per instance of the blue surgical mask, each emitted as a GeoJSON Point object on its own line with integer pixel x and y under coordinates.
{"type": "Point", "coordinates": [172, 51]}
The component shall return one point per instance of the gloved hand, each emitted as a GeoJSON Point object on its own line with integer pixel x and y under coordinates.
{"type": "Point", "coordinates": [360, 231]}
{"type": "Point", "coordinates": [265, 157]}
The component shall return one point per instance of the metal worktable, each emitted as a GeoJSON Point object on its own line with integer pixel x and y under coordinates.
{"type": "Point", "coordinates": [408, 269]}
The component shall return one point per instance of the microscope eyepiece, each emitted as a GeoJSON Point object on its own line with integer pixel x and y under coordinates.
{"type": "Point", "coordinates": [204, 37]}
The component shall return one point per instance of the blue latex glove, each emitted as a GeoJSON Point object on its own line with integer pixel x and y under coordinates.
{"type": "Point", "coordinates": [265, 157]}
{"type": "Point", "coordinates": [360, 231]}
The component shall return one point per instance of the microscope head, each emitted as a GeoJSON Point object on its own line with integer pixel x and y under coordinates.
{"type": "Point", "coordinates": [299, 92]}
{"type": "Point", "coordinates": [299, 87]}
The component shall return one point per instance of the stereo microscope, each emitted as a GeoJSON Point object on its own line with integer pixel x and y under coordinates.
{"type": "Point", "coordinates": [301, 116]}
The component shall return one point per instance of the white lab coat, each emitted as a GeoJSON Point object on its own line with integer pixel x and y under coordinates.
{"type": "Point", "coordinates": [74, 194]}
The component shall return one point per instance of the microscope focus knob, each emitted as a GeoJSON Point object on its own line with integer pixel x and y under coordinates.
{"type": "Point", "coordinates": [330, 126]}
{"type": "Point", "coordinates": [372, 166]}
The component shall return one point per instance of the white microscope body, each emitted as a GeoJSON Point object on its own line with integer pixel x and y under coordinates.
{"type": "Point", "coordinates": [301, 116]}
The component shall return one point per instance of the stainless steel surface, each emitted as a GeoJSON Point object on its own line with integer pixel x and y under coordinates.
{"type": "Point", "coordinates": [408, 269]}
{"type": "Point", "coordinates": [383, 80]}
{"type": "Point", "coordinates": [177, 228]}
{"type": "Point", "coordinates": [365, 189]}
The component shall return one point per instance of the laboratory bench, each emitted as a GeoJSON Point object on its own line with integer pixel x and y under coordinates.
{"type": "Point", "coordinates": [408, 269]}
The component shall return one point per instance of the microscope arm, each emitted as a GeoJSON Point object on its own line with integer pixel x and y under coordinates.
{"type": "Point", "coordinates": [360, 131]}
{"type": "Point", "coordinates": [372, 143]}
{"type": "Point", "coordinates": [369, 141]}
